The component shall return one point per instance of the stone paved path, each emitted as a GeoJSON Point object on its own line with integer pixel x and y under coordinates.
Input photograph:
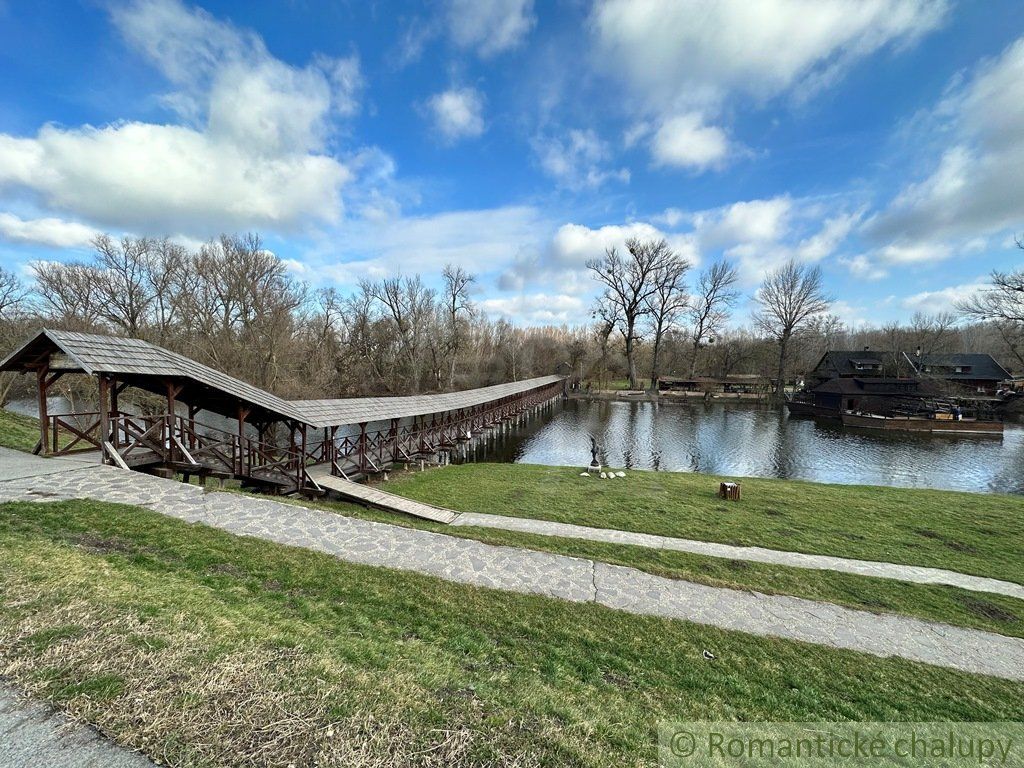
{"type": "Point", "coordinates": [34, 735]}
{"type": "Point", "coordinates": [911, 573]}
{"type": "Point", "coordinates": [519, 570]}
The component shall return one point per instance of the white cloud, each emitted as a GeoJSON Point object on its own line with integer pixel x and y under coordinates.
{"type": "Point", "coordinates": [562, 261]}
{"type": "Point", "coordinates": [685, 142]}
{"type": "Point", "coordinates": [56, 233]}
{"type": "Point", "coordinates": [482, 241]}
{"type": "Point", "coordinates": [537, 308]}
{"type": "Point", "coordinates": [863, 267]}
{"type": "Point", "coordinates": [824, 243]}
{"type": "Point", "coordinates": [943, 299]}
{"type": "Point", "coordinates": [745, 221]}
{"type": "Point", "coordinates": [683, 60]}
{"type": "Point", "coordinates": [489, 26]}
{"type": "Point", "coordinates": [251, 151]}
{"type": "Point", "coordinates": [577, 161]}
{"type": "Point", "coordinates": [694, 53]}
{"type": "Point", "coordinates": [457, 113]}
{"type": "Point", "coordinates": [974, 186]}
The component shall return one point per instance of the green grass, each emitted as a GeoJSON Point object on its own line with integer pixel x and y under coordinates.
{"type": "Point", "coordinates": [200, 647]}
{"type": "Point", "coordinates": [18, 431]}
{"type": "Point", "coordinates": [948, 605]}
{"type": "Point", "coordinates": [980, 534]}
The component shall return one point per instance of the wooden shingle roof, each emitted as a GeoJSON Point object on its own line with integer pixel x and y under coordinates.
{"type": "Point", "coordinates": [137, 361]}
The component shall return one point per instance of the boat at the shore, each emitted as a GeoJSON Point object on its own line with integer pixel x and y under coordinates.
{"type": "Point", "coordinates": [936, 423]}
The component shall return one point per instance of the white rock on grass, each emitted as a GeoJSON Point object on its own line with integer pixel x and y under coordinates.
{"type": "Point", "coordinates": [584, 474]}
{"type": "Point", "coordinates": [604, 476]}
{"type": "Point", "coordinates": [620, 474]}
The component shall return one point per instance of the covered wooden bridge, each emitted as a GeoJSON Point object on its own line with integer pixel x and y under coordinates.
{"type": "Point", "coordinates": [262, 439]}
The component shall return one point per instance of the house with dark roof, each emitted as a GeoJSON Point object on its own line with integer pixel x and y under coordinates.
{"type": "Point", "coordinates": [979, 373]}
{"type": "Point", "coordinates": [976, 373]}
{"type": "Point", "coordinates": [845, 364]}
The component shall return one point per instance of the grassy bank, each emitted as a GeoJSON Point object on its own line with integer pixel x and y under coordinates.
{"type": "Point", "coordinates": [981, 534]}
{"type": "Point", "coordinates": [948, 605]}
{"type": "Point", "coordinates": [201, 647]}
{"type": "Point", "coordinates": [17, 431]}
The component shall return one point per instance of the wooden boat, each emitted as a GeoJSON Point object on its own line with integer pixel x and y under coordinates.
{"type": "Point", "coordinates": [804, 408]}
{"type": "Point", "coordinates": [965, 426]}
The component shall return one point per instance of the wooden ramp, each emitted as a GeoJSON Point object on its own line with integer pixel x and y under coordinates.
{"type": "Point", "coordinates": [374, 497]}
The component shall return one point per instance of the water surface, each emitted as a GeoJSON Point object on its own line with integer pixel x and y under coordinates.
{"type": "Point", "coordinates": [757, 441]}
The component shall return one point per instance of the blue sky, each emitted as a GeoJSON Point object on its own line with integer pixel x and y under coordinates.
{"type": "Point", "coordinates": [881, 139]}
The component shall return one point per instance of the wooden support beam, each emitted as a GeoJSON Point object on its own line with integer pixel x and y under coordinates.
{"type": "Point", "coordinates": [44, 416]}
{"type": "Point", "coordinates": [104, 435]}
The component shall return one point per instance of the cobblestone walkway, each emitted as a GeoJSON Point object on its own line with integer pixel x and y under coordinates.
{"type": "Point", "coordinates": [34, 735]}
{"type": "Point", "coordinates": [519, 570]}
{"type": "Point", "coordinates": [912, 573]}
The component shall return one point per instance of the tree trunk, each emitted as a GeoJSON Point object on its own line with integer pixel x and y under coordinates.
{"type": "Point", "coordinates": [780, 383]}
{"type": "Point", "coordinates": [654, 358]}
{"type": "Point", "coordinates": [630, 361]}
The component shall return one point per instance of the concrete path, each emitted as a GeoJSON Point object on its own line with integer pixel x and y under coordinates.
{"type": "Point", "coordinates": [34, 735]}
{"type": "Point", "coordinates": [912, 573]}
{"type": "Point", "coordinates": [508, 568]}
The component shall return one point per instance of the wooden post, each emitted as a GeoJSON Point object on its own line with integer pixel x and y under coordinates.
{"type": "Point", "coordinates": [243, 414]}
{"type": "Point", "coordinates": [192, 411]}
{"type": "Point", "coordinates": [104, 386]}
{"type": "Point", "coordinates": [393, 438]}
{"type": "Point", "coordinates": [44, 416]}
{"type": "Point", "coordinates": [362, 445]}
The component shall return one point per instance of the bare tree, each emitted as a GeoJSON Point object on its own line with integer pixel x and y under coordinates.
{"type": "Point", "coordinates": [69, 293]}
{"type": "Point", "coordinates": [12, 294]}
{"type": "Point", "coordinates": [629, 283]}
{"type": "Point", "coordinates": [457, 282]}
{"type": "Point", "coordinates": [789, 297]}
{"type": "Point", "coordinates": [123, 272]}
{"type": "Point", "coordinates": [708, 310]}
{"type": "Point", "coordinates": [666, 304]}
{"type": "Point", "coordinates": [1003, 305]}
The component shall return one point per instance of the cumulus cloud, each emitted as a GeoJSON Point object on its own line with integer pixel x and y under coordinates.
{"type": "Point", "coordinates": [685, 142]}
{"type": "Point", "coordinates": [682, 60]}
{"type": "Point", "coordinates": [943, 299]}
{"type": "Point", "coordinates": [686, 52]}
{"type": "Point", "coordinates": [578, 160]}
{"type": "Point", "coordinates": [974, 186]}
{"type": "Point", "coordinates": [537, 308]}
{"type": "Point", "coordinates": [249, 150]}
{"type": "Point", "coordinates": [482, 241]}
{"type": "Point", "coordinates": [52, 232]}
{"type": "Point", "coordinates": [457, 113]}
{"type": "Point", "coordinates": [489, 26]}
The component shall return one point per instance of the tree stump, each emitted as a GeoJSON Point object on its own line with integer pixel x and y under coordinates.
{"type": "Point", "coordinates": [730, 491]}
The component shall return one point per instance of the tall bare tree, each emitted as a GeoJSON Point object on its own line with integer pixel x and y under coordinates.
{"type": "Point", "coordinates": [789, 297]}
{"type": "Point", "coordinates": [666, 305]}
{"type": "Point", "coordinates": [457, 304]}
{"type": "Point", "coordinates": [715, 294]}
{"type": "Point", "coordinates": [629, 283]}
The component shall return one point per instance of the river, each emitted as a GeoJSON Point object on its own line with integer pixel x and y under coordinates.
{"type": "Point", "coordinates": [745, 440]}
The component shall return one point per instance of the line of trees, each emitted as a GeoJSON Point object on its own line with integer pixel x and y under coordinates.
{"type": "Point", "coordinates": [233, 304]}
{"type": "Point", "coordinates": [645, 297]}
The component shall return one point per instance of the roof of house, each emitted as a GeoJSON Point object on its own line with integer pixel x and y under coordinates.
{"type": "Point", "coordinates": [138, 363]}
{"type": "Point", "coordinates": [845, 362]}
{"type": "Point", "coordinates": [982, 366]}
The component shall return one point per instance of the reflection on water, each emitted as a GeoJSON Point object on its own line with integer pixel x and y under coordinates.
{"type": "Point", "coordinates": [746, 440]}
